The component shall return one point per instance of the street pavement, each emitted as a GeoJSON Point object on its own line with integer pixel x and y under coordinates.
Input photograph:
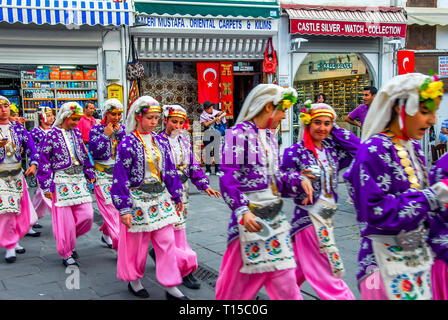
{"type": "Point", "coordinates": [39, 274]}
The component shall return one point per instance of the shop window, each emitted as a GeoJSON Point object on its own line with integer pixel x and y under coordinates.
{"type": "Point", "coordinates": [422, 3]}
{"type": "Point", "coordinates": [340, 77]}
{"type": "Point", "coordinates": [421, 37]}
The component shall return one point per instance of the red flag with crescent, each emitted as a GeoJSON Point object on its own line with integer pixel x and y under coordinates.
{"type": "Point", "coordinates": [406, 61]}
{"type": "Point", "coordinates": [208, 82]}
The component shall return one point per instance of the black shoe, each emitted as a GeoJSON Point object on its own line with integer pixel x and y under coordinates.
{"type": "Point", "coordinates": [20, 251]}
{"type": "Point", "coordinates": [67, 263]}
{"type": "Point", "coordinates": [141, 293]}
{"type": "Point", "coordinates": [109, 245]}
{"type": "Point", "coordinates": [75, 254]}
{"type": "Point", "coordinates": [171, 297]}
{"type": "Point", "coordinates": [191, 282]}
{"type": "Point", "coordinates": [152, 254]}
{"type": "Point", "coordinates": [37, 226]}
{"type": "Point", "coordinates": [34, 235]}
{"type": "Point", "coordinates": [11, 259]}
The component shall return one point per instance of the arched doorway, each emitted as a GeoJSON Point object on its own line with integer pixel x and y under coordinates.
{"type": "Point", "coordinates": [341, 77]}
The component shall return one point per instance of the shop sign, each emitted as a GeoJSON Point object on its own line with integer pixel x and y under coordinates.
{"type": "Point", "coordinates": [443, 66]}
{"type": "Point", "coordinates": [214, 24]}
{"type": "Point", "coordinates": [345, 28]}
{"type": "Point", "coordinates": [332, 64]}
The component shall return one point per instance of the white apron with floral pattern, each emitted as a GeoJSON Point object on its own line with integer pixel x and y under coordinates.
{"type": "Point", "coordinates": [406, 274]}
{"type": "Point", "coordinates": [11, 190]}
{"type": "Point", "coordinates": [151, 211]}
{"type": "Point", "coordinates": [104, 181]}
{"type": "Point", "coordinates": [183, 214]}
{"type": "Point", "coordinates": [275, 253]}
{"type": "Point", "coordinates": [71, 189]}
{"type": "Point", "coordinates": [325, 235]}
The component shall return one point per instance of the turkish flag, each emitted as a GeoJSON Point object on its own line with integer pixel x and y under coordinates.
{"type": "Point", "coordinates": [208, 82]}
{"type": "Point", "coordinates": [406, 61]}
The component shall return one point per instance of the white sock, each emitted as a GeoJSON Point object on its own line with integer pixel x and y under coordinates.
{"type": "Point", "coordinates": [174, 291]}
{"type": "Point", "coordinates": [136, 285]}
{"type": "Point", "coordinates": [107, 239]}
{"type": "Point", "coordinates": [18, 246]}
{"type": "Point", "coordinates": [10, 253]}
{"type": "Point", "coordinates": [31, 231]}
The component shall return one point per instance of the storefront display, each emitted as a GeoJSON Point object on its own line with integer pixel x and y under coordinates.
{"type": "Point", "coordinates": [52, 86]}
{"type": "Point", "coordinates": [340, 77]}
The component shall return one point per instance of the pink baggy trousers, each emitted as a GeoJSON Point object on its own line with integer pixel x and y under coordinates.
{"type": "Point", "coordinates": [69, 223]}
{"type": "Point", "coordinates": [234, 285]}
{"type": "Point", "coordinates": [133, 253]}
{"type": "Point", "coordinates": [314, 267]}
{"type": "Point", "coordinates": [14, 227]}
{"type": "Point", "coordinates": [111, 217]}
{"type": "Point", "coordinates": [186, 257]}
{"type": "Point", "coordinates": [439, 280]}
{"type": "Point", "coordinates": [372, 287]}
{"type": "Point", "coordinates": [40, 203]}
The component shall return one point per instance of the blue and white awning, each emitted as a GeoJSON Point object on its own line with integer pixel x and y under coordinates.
{"type": "Point", "coordinates": [67, 12]}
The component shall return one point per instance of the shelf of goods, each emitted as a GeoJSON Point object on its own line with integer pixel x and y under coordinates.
{"type": "Point", "coordinates": [343, 94]}
{"type": "Point", "coordinates": [51, 93]}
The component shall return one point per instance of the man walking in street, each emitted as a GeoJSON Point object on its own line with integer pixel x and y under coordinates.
{"type": "Point", "coordinates": [87, 121]}
{"type": "Point", "coordinates": [357, 116]}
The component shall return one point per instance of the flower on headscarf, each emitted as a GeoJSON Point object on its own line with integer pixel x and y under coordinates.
{"type": "Point", "coordinates": [287, 101]}
{"type": "Point", "coordinates": [13, 108]}
{"type": "Point", "coordinates": [305, 114]}
{"type": "Point", "coordinates": [430, 90]}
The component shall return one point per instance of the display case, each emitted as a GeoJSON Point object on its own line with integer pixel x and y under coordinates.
{"type": "Point", "coordinates": [54, 93]}
{"type": "Point", "coordinates": [343, 94]}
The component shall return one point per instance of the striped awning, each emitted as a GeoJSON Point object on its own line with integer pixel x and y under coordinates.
{"type": "Point", "coordinates": [66, 12]}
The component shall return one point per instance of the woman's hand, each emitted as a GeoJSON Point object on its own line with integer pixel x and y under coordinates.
{"type": "Point", "coordinates": [49, 195]}
{"type": "Point", "coordinates": [91, 180]}
{"type": "Point", "coordinates": [211, 192]}
{"type": "Point", "coordinates": [109, 129]}
{"type": "Point", "coordinates": [307, 174]}
{"type": "Point", "coordinates": [179, 207]}
{"type": "Point", "coordinates": [126, 219]}
{"type": "Point", "coordinates": [249, 222]}
{"type": "Point", "coordinates": [31, 170]}
{"type": "Point", "coordinates": [3, 143]}
{"type": "Point", "coordinates": [308, 188]}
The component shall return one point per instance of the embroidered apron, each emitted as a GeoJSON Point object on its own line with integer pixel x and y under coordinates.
{"type": "Point", "coordinates": [406, 273]}
{"type": "Point", "coordinates": [275, 253]}
{"type": "Point", "coordinates": [11, 190]}
{"type": "Point", "coordinates": [321, 215]}
{"type": "Point", "coordinates": [104, 182]}
{"type": "Point", "coordinates": [71, 189]}
{"type": "Point", "coordinates": [151, 211]}
{"type": "Point", "coordinates": [183, 215]}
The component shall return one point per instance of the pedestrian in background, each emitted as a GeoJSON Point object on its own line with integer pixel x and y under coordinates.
{"type": "Point", "coordinates": [210, 118]}
{"type": "Point", "coordinates": [320, 98]}
{"type": "Point", "coordinates": [443, 136]}
{"type": "Point", "coordinates": [358, 116]}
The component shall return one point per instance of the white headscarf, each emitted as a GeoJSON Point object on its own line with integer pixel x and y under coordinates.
{"type": "Point", "coordinates": [66, 110]}
{"type": "Point", "coordinates": [41, 112]}
{"type": "Point", "coordinates": [131, 124]}
{"type": "Point", "coordinates": [110, 104]}
{"type": "Point", "coordinates": [4, 98]}
{"type": "Point", "coordinates": [259, 97]}
{"type": "Point", "coordinates": [403, 87]}
{"type": "Point", "coordinates": [175, 107]}
{"type": "Point", "coordinates": [316, 110]}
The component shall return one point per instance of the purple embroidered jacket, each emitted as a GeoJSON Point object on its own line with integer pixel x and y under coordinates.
{"type": "Point", "coordinates": [438, 230]}
{"type": "Point", "coordinates": [193, 169]}
{"type": "Point", "coordinates": [38, 135]}
{"type": "Point", "coordinates": [340, 150]}
{"type": "Point", "coordinates": [129, 171]}
{"type": "Point", "coordinates": [244, 165]}
{"type": "Point", "coordinates": [100, 144]}
{"type": "Point", "coordinates": [384, 202]}
{"type": "Point", "coordinates": [55, 155]}
{"type": "Point", "coordinates": [22, 139]}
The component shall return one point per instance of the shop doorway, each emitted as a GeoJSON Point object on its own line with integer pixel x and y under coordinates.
{"type": "Point", "coordinates": [341, 77]}
{"type": "Point", "coordinates": [243, 84]}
